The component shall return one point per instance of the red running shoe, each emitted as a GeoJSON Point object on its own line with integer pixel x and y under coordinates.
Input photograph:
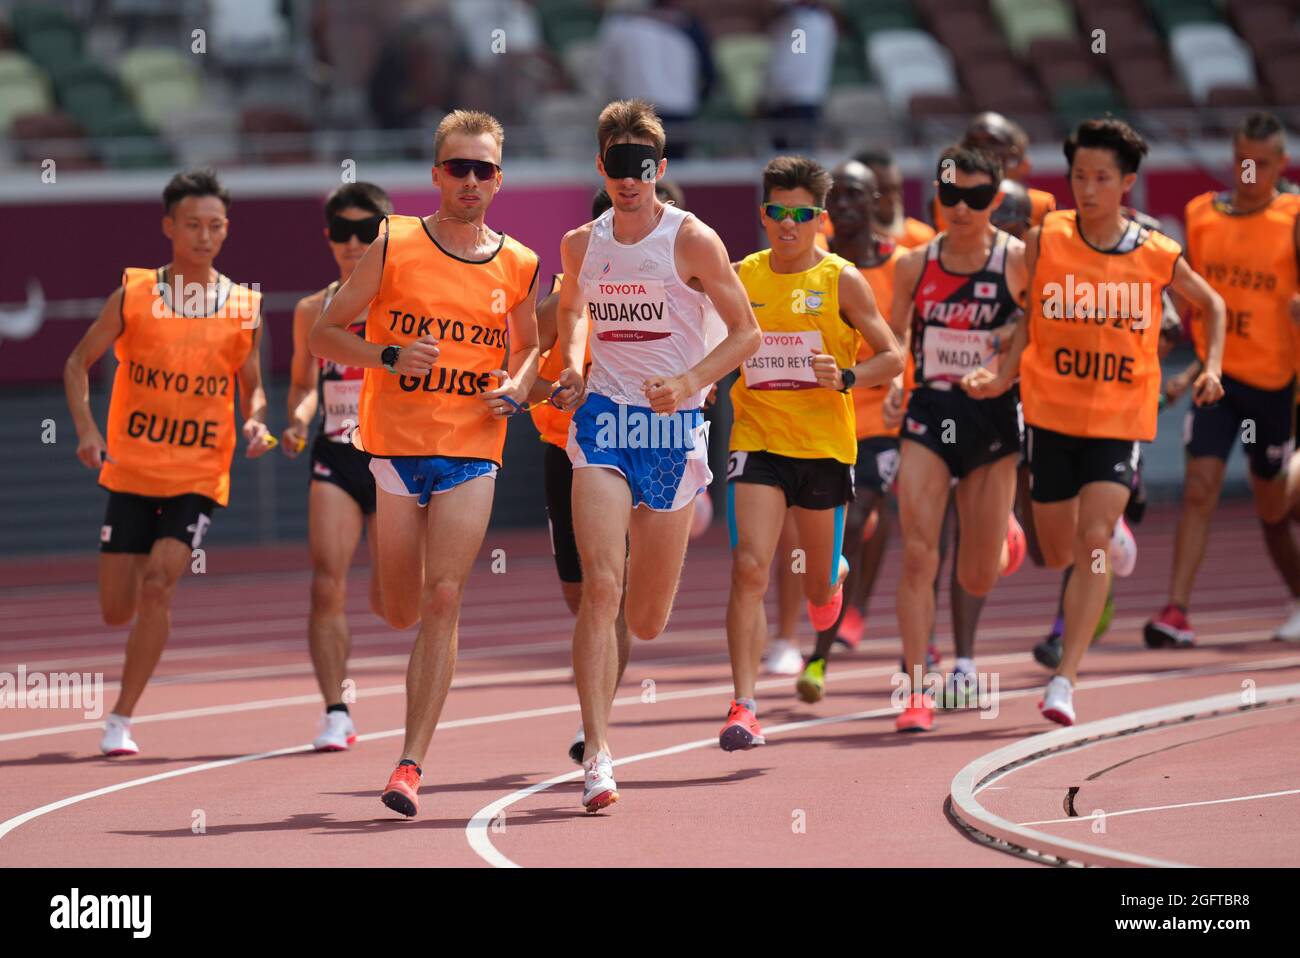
{"type": "Point", "coordinates": [1169, 630]}
{"type": "Point", "coordinates": [400, 793]}
{"type": "Point", "coordinates": [1016, 546]}
{"type": "Point", "coordinates": [918, 716]}
{"type": "Point", "coordinates": [741, 730]}
{"type": "Point", "coordinates": [851, 628]}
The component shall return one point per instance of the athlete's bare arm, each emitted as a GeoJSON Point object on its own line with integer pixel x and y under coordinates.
{"type": "Point", "coordinates": [1191, 286]}
{"type": "Point", "coordinates": [252, 398]}
{"type": "Point", "coordinates": [982, 383]}
{"type": "Point", "coordinates": [521, 372]}
{"type": "Point", "coordinates": [331, 339]}
{"type": "Point", "coordinates": [907, 273]}
{"type": "Point", "coordinates": [546, 334]}
{"type": "Point", "coordinates": [858, 306]}
{"type": "Point", "coordinates": [92, 450]}
{"type": "Point", "coordinates": [702, 261]}
{"type": "Point", "coordinates": [303, 373]}
{"type": "Point", "coordinates": [570, 321]}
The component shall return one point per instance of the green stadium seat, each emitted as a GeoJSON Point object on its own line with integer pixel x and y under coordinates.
{"type": "Point", "coordinates": [1025, 24]}
{"type": "Point", "coordinates": [1171, 13]}
{"type": "Point", "coordinates": [1072, 105]}
{"type": "Point", "coordinates": [86, 101]}
{"type": "Point", "coordinates": [162, 97]}
{"type": "Point", "coordinates": [27, 18]}
{"type": "Point", "coordinates": [741, 60]}
{"type": "Point", "coordinates": [146, 65]}
{"type": "Point", "coordinates": [17, 68]}
{"type": "Point", "coordinates": [850, 67]}
{"type": "Point", "coordinates": [21, 97]}
{"type": "Point", "coordinates": [52, 45]}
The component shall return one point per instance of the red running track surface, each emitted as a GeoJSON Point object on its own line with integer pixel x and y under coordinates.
{"type": "Point", "coordinates": [837, 787]}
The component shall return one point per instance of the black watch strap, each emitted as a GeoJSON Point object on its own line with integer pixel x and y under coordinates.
{"type": "Point", "coordinates": [389, 357]}
{"type": "Point", "coordinates": [849, 377]}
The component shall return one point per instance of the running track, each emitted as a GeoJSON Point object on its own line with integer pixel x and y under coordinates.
{"type": "Point", "coordinates": [224, 726]}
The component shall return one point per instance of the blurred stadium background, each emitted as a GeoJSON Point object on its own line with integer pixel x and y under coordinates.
{"type": "Point", "coordinates": [101, 100]}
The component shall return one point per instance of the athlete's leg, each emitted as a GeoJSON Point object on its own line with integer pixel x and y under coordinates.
{"type": "Point", "coordinates": [372, 544]}
{"type": "Point", "coordinates": [1099, 505]}
{"type": "Point", "coordinates": [1025, 513]}
{"type": "Point", "coordinates": [144, 646]}
{"type": "Point", "coordinates": [457, 521]}
{"type": "Point", "coordinates": [120, 574]}
{"type": "Point", "coordinates": [760, 512]}
{"type": "Point", "coordinates": [922, 497]}
{"type": "Point", "coordinates": [862, 579]}
{"type": "Point", "coordinates": [657, 549]}
{"type": "Point", "coordinates": [788, 587]}
{"type": "Point", "coordinates": [401, 525]}
{"type": "Point", "coordinates": [984, 499]}
{"type": "Point", "coordinates": [1202, 482]}
{"type": "Point", "coordinates": [334, 524]}
{"type": "Point", "coordinates": [602, 504]}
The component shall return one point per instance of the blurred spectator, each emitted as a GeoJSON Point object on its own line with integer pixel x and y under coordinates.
{"type": "Point", "coordinates": [660, 53]}
{"type": "Point", "coordinates": [803, 37]}
{"type": "Point", "coordinates": [415, 73]}
{"type": "Point", "coordinates": [477, 20]}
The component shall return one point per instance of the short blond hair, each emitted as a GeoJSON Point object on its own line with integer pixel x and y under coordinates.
{"type": "Point", "coordinates": [470, 123]}
{"type": "Point", "coordinates": [634, 118]}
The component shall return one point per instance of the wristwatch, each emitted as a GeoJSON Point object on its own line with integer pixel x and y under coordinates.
{"type": "Point", "coordinates": [849, 377]}
{"type": "Point", "coordinates": [389, 357]}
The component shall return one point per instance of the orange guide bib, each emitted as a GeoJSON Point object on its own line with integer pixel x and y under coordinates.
{"type": "Point", "coordinates": [869, 402]}
{"type": "Point", "coordinates": [171, 419]}
{"type": "Point", "coordinates": [426, 291]}
{"type": "Point", "coordinates": [1091, 368]}
{"type": "Point", "coordinates": [1250, 260]}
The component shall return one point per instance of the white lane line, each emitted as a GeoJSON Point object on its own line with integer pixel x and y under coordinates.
{"type": "Point", "coordinates": [11, 824]}
{"type": "Point", "coordinates": [1002, 762]}
{"type": "Point", "coordinates": [476, 830]}
{"type": "Point", "coordinates": [1163, 808]}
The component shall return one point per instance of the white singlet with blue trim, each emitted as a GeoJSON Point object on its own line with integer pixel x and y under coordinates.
{"type": "Point", "coordinates": [646, 321]}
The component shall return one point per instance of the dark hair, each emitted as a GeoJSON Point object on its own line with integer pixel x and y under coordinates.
{"type": "Point", "coordinates": [600, 202]}
{"type": "Point", "coordinates": [193, 183]}
{"type": "Point", "coordinates": [796, 172]}
{"type": "Point", "coordinates": [875, 157]}
{"type": "Point", "coordinates": [1260, 126]}
{"type": "Point", "coordinates": [670, 192]}
{"type": "Point", "coordinates": [969, 159]}
{"type": "Point", "coordinates": [1111, 134]}
{"type": "Point", "coordinates": [361, 196]}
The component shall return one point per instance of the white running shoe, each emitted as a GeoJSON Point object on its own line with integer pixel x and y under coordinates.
{"type": "Point", "coordinates": [335, 733]}
{"type": "Point", "coordinates": [1289, 631]}
{"type": "Point", "coordinates": [117, 739]}
{"type": "Point", "coordinates": [783, 658]}
{"type": "Point", "coordinates": [599, 788]}
{"type": "Point", "coordinates": [1058, 701]}
{"type": "Point", "coordinates": [578, 746]}
{"type": "Point", "coordinates": [1123, 550]}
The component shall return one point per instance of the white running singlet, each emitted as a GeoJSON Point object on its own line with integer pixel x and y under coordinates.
{"type": "Point", "coordinates": [645, 320]}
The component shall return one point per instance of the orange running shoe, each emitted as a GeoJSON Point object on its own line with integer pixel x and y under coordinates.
{"type": "Point", "coordinates": [918, 716]}
{"type": "Point", "coordinates": [400, 793]}
{"type": "Point", "coordinates": [741, 730]}
{"type": "Point", "coordinates": [1016, 546]}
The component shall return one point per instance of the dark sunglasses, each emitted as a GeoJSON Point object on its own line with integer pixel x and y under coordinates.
{"type": "Point", "coordinates": [800, 214]}
{"type": "Point", "coordinates": [459, 169]}
{"type": "Point", "coordinates": [975, 197]}
{"type": "Point", "coordinates": [343, 229]}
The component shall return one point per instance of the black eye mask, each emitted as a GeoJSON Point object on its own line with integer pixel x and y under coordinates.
{"type": "Point", "coordinates": [635, 160]}
{"type": "Point", "coordinates": [343, 229]}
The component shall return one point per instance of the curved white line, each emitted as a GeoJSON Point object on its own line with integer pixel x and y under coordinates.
{"type": "Point", "coordinates": [991, 767]}
{"type": "Point", "coordinates": [1165, 808]}
{"type": "Point", "coordinates": [476, 830]}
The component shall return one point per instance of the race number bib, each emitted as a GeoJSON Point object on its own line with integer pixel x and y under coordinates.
{"type": "Point", "coordinates": [628, 312]}
{"type": "Point", "coordinates": [784, 361]}
{"type": "Point", "coordinates": [949, 354]}
{"type": "Point", "coordinates": [342, 400]}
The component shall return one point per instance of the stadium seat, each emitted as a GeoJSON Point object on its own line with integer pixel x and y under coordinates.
{"type": "Point", "coordinates": [875, 16]}
{"type": "Point", "coordinates": [1169, 14]}
{"type": "Point", "coordinates": [281, 136]}
{"type": "Point", "coordinates": [1207, 55]}
{"type": "Point", "coordinates": [581, 60]}
{"type": "Point", "coordinates": [850, 108]}
{"type": "Point", "coordinates": [742, 63]}
{"type": "Point", "coordinates": [890, 50]}
{"type": "Point", "coordinates": [1024, 21]}
{"type": "Point", "coordinates": [241, 29]}
{"type": "Point", "coordinates": [1074, 104]}
{"type": "Point", "coordinates": [160, 98]}
{"type": "Point", "coordinates": [203, 135]}
{"type": "Point", "coordinates": [1283, 76]}
{"type": "Point", "coordinates": [52, 45]}
{"type": "Point", "coordinates": [565, 121]}
{"type": "Point", "coordinates": [55, 136]}
{"type": "Point", "coordinates": [17, 68]}
{"type": "Point", "coordinates": [849, 68]}
{"type": "Point", "coordinates": [21, 97]}
{"type": "Point", "coordinates": [144, 65]}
